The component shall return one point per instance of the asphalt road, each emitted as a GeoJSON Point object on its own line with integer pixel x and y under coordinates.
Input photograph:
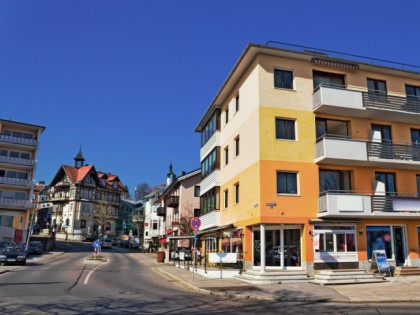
{"type": "Point", "coordinates": [65, 285]}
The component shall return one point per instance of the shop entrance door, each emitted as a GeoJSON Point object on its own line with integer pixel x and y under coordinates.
{"type": "Point", "coordinates": [282, 246]}
{"type": "Point", "coordinates": [399, 245]}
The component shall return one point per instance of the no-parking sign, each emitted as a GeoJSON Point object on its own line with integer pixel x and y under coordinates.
{"type": "Point", "coordinates": [195, 223]}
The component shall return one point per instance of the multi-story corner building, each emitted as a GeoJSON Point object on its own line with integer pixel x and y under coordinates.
{"type": "Point", "coordinates": [84, 201]}
{"type": "Point", "coordinates": [312, 161]}
{"type": "Point", "coordinates": [19, 144]}
{"type": "Point", "coordinates": [180, 203]}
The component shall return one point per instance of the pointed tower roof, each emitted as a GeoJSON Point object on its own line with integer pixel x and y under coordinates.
{"type": "Point", "coordinates": [79, 159]}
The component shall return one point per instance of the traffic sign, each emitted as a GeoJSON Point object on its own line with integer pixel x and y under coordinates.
{"type": "Point", "coordinates": [195, 223]}
{"type": "Point", "coordinates": [96, 244]}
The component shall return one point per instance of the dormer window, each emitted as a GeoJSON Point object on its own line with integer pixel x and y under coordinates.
{"type": "Point", "coordinates": [103, 182]}
{"type": "Point", "coordinates": [115, 184]}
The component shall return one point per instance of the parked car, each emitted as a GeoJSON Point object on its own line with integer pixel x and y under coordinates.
{"type": "Point", "coordinates": [36, 247]}
{"type": "Point", "coordinates": [114, 241]}
{"type": "Point", "coordinates": [3, 245]}
{"type": "Point", "coordinates": [89, 238]}
{"type": "Point", "coordinates": [23, 246]}
{"type": "Point", "coordinates": [106, 243]}
{"type": "Point", "coordinates": [124, 243]}
{"type": "Point", "coordinates": [13, 255]}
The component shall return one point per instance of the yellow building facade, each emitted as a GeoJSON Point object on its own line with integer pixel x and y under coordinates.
{"type": "Point", "coordinates": [311, 162]}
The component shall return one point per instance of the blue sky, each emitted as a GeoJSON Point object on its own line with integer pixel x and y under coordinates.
{"type": "Point", "coordinates": [129, 80]}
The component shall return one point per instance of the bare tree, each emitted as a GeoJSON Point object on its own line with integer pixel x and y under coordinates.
{"type": "Point", "coordinates": [103, 214]}
{"type": "Point", "coordinates": [186, 215]}
{"type": "Point", "coordinates": [141, 190]}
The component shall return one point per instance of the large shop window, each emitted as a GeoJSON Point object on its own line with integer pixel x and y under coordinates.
{"type": "Point", "coordinates": [379, 237]}
{"type": "Point", "coordinates": [336, 239]}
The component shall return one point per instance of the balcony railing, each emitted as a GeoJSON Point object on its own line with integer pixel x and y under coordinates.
{"type": "Point", "coordinates": [344, 204]}
{"type": "Point", "coordinates": [16, 182]}
{"type": "Point", "coordinates": [390, 102]}
{"type": "Point", "coordinates": [161, 211]}
{"type": "Point", "coordinates": [6, 202]}
{"type": "Point", "coordinates": [330, 149]}
{"type": "Point", "coordinates": [351, 204]}
{"type": "Point", "coordinates": [393, 151]}
{"type": "Point", "coordinates": [16, 140]}
{"type": "Point", "coordinates": [172, 201]}
{"type": "Point", "coordinates": [211, 219]}
{"type": "Point", "coordinates": [17, 161]}
{"type": "Point", "coordinates": [330, 99]}
{"type": "Point", "coordinates": [138, 218]}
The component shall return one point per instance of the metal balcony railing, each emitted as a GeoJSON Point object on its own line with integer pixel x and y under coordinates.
{"type": "Point", "coordinates": [16, 140]}
{"type": "Point", "coordinates": [6, 202]}
{"type": "Point", "coordinates": [380, 100]}
{"type": "Point", "coordinates": [394, 151]}
{"type": "Point", "coordinates": [161, 211]}
{"type": "Point", "coordinates": [172, 201]}
{"type": "Point", "coordinates": [16, 182]}
{"type": "Point", "coordinates": [12, 160]}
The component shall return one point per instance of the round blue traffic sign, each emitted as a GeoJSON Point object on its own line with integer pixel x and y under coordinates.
{"type": "Point", "coordinates": [195, 223]}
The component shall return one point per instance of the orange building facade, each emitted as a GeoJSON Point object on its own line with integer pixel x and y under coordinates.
{"type": "Point", "coordinates": [311, 162]}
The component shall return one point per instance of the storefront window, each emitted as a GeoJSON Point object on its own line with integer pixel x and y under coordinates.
{"type": "Point", "coordinates": [336, 239]}
{"type": "Point", "coordinates": [378, 237]}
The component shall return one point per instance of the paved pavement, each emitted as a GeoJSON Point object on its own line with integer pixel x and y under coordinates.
{"type": "Point", "coordinates": [396, 290]}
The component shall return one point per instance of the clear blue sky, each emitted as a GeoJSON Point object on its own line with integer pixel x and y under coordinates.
{"type": "Point", "coordinates": [129, 80]}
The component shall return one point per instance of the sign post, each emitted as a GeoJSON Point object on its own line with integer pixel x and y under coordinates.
{"type": "Point", "coordinates": [195, 224]}
{"type": "Point", "coordinates": [380, 262]}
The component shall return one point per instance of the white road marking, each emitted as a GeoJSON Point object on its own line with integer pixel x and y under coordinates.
{"type": "Point", "coordinates": [92, 271]}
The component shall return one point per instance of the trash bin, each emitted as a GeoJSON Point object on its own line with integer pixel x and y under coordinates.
{"type": "Point", "coordinates": [160, 257]}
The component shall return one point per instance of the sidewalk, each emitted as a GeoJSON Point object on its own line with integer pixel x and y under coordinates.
{"type": "Point", "coordinates": [395, 290]}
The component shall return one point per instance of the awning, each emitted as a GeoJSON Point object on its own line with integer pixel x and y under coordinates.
{"type": "Point", "coordinates": [216, 229]}
{"type": "Point", "coordinates": [163, 241]}
{"type": "Point", "coordinates": [182, 237]}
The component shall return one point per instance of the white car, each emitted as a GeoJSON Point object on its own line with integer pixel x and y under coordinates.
{"type": "Point", "coordinates": [106, 243]}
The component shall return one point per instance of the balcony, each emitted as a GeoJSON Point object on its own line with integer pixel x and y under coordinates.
{"type": "Point", "coordinates": [16, 182]}
{"type": "Point", "coordinates": [58, 198]}
{"type": "Point", "coordinates": [16, 140]}
{"type": "Point", "coordinates": [13, 203]}
{"type": "Point", "coordinates": [344, 205]}
{"type": "Point", "coordinates": [161, 211]}
{"type": "Point", "coordinates": [213, 142]}
{"type": "Point", "coordinates": [395, 155]}
{"type": "Point", "coordinates": [352, 205]}
{"type": "Point", "coordinates": [209, 220]}
{"type": "Point", "coordinates": [335, 100]}
{"type": "Point", "coordinates": [211, 181]}
{"type": "Point", "coordinates": [172, 201]}
{"type": "Point", "coordinates": [341, 151]}
{"type": "Point", "coordinates": [346, 151]}
{"type": "Point", "coordinates": [138, 218]}
{"type": "Point", "coordinates": [17, 161]}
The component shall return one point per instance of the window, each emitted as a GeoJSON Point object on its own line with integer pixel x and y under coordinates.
{"type": "Point", "coordinates": [327, 79]}
{"type": "Point", "coordinates": [237, 146]}
{"type": "Point", "coordinates": [210, 201]}
{"type": "Point", "coordinates": [388, 183]}
{"type": "Point", "coordinates": [154, 226]}
{"type": "Point", "coordinates": [286, 183]}
{"type": "Point", "coordinates": [418, 184]}
{"type": "Point", "coordinates": [335, 239]}
{"type": "Point", "coordinates": [332, 128]}
{"type": "Point", "coordinates": [226, 155]}
{"type": "Point", "coordinates": [237, 103]}
{"type": "Point", "coordinates": [209, 129]}
{"type": "Point", "coordinates": [210, 163]}
{"type": "Point", "coordinates": [227, 115]}
{"type": "Point", "coordinates": [237, 193]}
{"type": "Point", "coordinates": [376, 89]}
{"type": "Point", "coordinates": [413, 93]}
{"type": "Point", "coordinates": [418, 239]}
{"type": "Point", "coordinates": [334, 180]}
{"type": "Point", "coordinates": [283, 79]}
{"type": "Point", "coordinates": [285, 129]}
{"type": "Point", "coordinates": [196, 191]}
{"type": "Point", "coordinates": [226, 198]}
